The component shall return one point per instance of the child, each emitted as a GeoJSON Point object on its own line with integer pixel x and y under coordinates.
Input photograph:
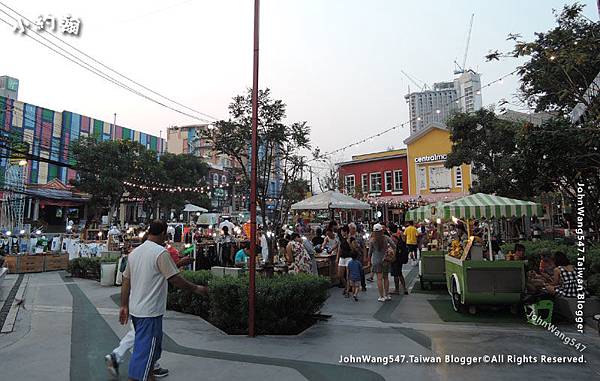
{"type": "Point", "coordinates": [354, 267]}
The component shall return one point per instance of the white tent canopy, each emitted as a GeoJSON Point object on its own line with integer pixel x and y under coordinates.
{"type": "Point", "coordinates": [191, 208]}
{"type": "Point", "coordinates": [331, 200]}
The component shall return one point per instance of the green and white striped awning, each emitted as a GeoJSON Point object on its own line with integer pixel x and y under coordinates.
{"type": "Point", "coordinates": [431, 212]}
{"type": "Point", "coordinates": [484, 205]}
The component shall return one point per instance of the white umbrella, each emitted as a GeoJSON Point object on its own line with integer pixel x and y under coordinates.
{"type": "Point", "coordinates": [191, 208]}
{"type": "Point", "coordinates": [331, 200]}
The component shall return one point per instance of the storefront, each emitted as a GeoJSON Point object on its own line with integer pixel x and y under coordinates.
{"type": "Point", "coordinates": [428, 178]}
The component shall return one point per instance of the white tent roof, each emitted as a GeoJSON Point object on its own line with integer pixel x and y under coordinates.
{"type": "Point", "coordinates": [194, 208]}
{"type": "Point", "coordinates": [330, 200]}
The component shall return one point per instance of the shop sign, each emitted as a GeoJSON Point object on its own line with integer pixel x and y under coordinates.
{"type": "Point", "coordinates": [431, 158]}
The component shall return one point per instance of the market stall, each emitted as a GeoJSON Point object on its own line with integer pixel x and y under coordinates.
{"type": "Point", "coordinates": [330, 201]}
{"type": "Point", "coordinates": [432, 268]}
{"type": "Point", "coordinates": [473, 278]}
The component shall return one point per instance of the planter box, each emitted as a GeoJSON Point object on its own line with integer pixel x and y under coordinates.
{"type": "Point", "coordinates": [18, 264]}
{"type": "Point", "coordinates": [11, 262]}
{"type": "Point", "coordinates": [31, 264]}
{"type": "Point", "coordinates": [56, 262]}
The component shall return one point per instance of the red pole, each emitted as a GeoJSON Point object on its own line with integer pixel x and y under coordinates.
{"type": "Point", "coordinates": [254, 160]}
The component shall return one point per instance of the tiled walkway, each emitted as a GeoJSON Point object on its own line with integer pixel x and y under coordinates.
{"type": "Point", "coordinates": [69, 324]}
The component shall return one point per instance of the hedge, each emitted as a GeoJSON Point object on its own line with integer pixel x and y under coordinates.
{"type": "Point", "coordinates": [88, 268]}
{"type": "Point", "coordinates": [284, 304]}
{"type": "Point", "coordinates": [533, 249]}
{"type": "Point", "coordinates": [185, 301]}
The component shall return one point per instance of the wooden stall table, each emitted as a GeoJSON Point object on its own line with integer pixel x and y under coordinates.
{"type": "Point", "coordinates": [327, 267]}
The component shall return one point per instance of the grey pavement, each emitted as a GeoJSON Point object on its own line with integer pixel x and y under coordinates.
{"type": "Point", "coordinates": [69, 324]}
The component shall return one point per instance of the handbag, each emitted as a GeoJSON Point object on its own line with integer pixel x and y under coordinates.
{"type": "Point", "coordinates": [390, 255]}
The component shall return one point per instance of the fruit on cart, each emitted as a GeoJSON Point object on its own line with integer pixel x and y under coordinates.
{"type": "Point", "coordinates": [455, 249]}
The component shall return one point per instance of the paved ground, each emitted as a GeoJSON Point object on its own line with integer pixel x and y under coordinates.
{"type": "Point", "coordinates": [69, 324]}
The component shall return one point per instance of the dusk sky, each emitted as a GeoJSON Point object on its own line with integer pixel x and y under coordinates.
{"type": "Point", "coordinates": [336, 63]}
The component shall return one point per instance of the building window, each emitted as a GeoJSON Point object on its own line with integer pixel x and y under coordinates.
{"type": "Point", "coordinates": [364, 183]}
{"type": "Point", "coordinates": [223, 179]}
{"type": "Point", "coordinates": [458, 180]}
{"type": "Point", "coordinates": [439, 179]}
{"type": "Point", "coordinates": [376, 182]}
{"type": "Point", "coordinates": [350, 183]}
{"type": "Point", "coordinates": [422, 178]}
{"type": "Point", "coordinates": [215, 179]}
{"type": "Point", "coordinates": [398, 181]}
{"type": "Point", "coordinates": [388, 181]}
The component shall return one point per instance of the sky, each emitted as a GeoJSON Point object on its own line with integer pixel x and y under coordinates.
{"type": "Point", "coordinates": [335, 63]}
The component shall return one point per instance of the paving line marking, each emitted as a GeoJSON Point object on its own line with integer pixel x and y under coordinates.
{"type": "Point", "coordinates": [10, 309]}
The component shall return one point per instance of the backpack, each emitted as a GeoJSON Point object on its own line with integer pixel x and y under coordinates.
{"type": "Point", "coordinates": [401, 250]}
{"type": "Point", "coordinates": [390, 255]}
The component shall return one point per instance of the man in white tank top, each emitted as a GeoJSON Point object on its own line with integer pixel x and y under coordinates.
{"type": "Point", "coordinates": [144, 297]}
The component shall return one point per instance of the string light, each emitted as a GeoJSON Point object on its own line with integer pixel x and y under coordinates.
{"type": "Point", "coordinates": [406, 123]}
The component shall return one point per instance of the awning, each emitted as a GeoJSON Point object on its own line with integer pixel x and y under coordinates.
{"type": "Point", "coordinates": [484, 205]}
{"type": "Point", "coordinates": [331, 200]}
{"type": "Point", "coordinates": [191, 208]}
{"type": "Point", "coordinates": [431, 212]}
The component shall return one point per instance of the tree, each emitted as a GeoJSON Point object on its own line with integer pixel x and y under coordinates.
{"type": "Point", "coordinates": [488, 144]}
{"type": "Point", "coordinates": [560, 69]}
{"type": "Point", "coordinates": [562, 63]}
{"type": "Point", "coordinates": [557, 157]}
{"type": "Point", "coordinates": [103, 168]}
{"type": "Point", "coordinates": [177, 172]}
{"type": "Point", "coordinates": [329, 179]}
{"type": "Point", "coordinates": [279, 147]}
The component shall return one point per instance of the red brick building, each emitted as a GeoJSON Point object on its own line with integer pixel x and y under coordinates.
{"type": "Point", "coordinates": [381, 178]}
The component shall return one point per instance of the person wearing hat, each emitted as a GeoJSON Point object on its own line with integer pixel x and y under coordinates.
{"type": "Point", "coordinates": [378, 245]}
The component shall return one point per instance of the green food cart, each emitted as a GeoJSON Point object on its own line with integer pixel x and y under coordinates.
{"type": "Point", "coordinates": [432, 268]}
{"type": "Point", "coordinates": [472, 283]}
{"type": "Point", "coordinates": [478, 282]}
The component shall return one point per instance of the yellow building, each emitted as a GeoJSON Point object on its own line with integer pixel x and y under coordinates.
{"type": "Point", "coordinates": [426, 153]}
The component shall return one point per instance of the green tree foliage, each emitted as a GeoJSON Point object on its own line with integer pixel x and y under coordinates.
{"type": "Point", "coordinates": [104, 167]}
{"type": "Point", "coordinates": [561, 63]}
{"type": "Point", "coordinates": [279, 146]}
{"type": "Point", "coordinates": [488, 143]}
{"type": "Point", "coordinates": [176, 171]}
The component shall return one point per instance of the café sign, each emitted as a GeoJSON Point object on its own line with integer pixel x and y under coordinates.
{"type": "Point", "coordinates": [431, 158]}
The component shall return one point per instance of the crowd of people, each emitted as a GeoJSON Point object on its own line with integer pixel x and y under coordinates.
{"type": "Point", "coordinates": [383, 252]}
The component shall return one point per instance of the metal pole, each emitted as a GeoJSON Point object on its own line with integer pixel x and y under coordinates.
{"type": "Point", "coordinates": [253, 180]}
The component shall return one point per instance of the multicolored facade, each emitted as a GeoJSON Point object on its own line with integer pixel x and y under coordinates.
{"type": "Point", "coordinates": [49, 134]}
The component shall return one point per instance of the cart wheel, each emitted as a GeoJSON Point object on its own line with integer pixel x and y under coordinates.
{"type": "Point", "coordinates": [472, 310]}
{"type": "Point", "coordinates": [457, 305]}
{"type": "Point", "coordinates": [514, 309]}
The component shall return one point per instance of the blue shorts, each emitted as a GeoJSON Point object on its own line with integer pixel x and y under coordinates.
{"type": "Point", "coordinates": [146, 348]}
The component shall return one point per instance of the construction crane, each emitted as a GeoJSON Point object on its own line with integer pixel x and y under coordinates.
{"type": "Point", "coordinates": [422, 85]}
{"type": "Point", "coordinates": [461, 68]}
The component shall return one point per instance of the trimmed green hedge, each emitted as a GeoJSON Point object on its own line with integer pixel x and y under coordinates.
{"type": "Point", "coordinates": [185, 301]}
{"type": "Point", "coordinates": [592, 258]}
{"type": "Point", "coordinates": [284, 304]}
{"type": "Point", "coordinates": [88, 268]}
